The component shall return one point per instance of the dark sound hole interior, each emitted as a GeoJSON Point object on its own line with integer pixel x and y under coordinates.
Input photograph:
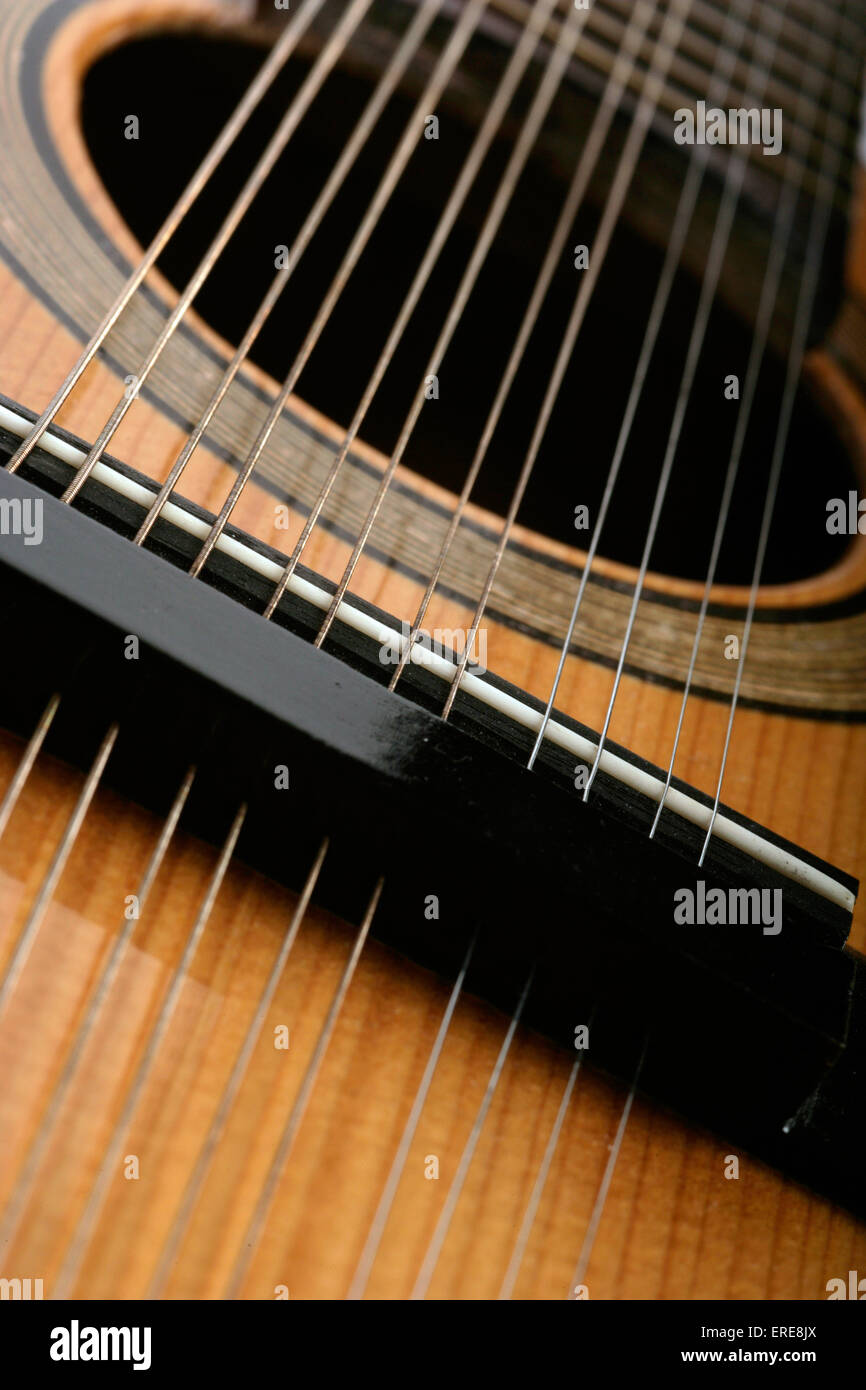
{"type": "Point", "coordinates": [183, 87]}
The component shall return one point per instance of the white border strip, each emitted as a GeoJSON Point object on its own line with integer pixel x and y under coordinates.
{"type": "Point", "coordinates": [583, 748]}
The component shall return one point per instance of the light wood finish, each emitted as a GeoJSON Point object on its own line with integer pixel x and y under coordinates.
{"type": "Point", "coordinates": [673, 1226]}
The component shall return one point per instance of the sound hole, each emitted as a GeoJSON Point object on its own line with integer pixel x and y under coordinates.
{"type": "Point", "coordinates": [183, 88]}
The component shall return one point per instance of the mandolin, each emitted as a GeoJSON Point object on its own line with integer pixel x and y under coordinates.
{"type": "Point", "coordinates": [433, 574]}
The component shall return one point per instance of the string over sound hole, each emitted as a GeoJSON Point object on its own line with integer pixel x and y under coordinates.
{"type": "Point", "coordinates": [208, 75]}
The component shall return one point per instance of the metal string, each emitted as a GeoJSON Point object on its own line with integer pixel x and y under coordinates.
{"type": "Point", "coordinates": [669, 37]}
{"type": "Point", "coordinates": [734, 180]}
{"type": "Point", "coordinates": [273, 64]}
{"type": "Point", "coordinates": [520, 1244]}
{"type": "Point", "coordinates": [81, 1238]}
{"type": "Point", "coordinates": [604, 1187]}
{"type": "Point", "coordinates": [701, 36]}
{"type": "Point", "coordinates": [406, 50]}
{"type": "Point", "coordinates": [819, 223]}
{"type": "Point", "coordinates": [434, 1250]}
{"type": "Point", "coordinates": [389, 1192]}
{"type": "Point", "coordinates": [769, 291]}
{"type": "Point", "coordinates": [218, 1124]}
{"type": "Point", "coordinates": [270, 69]}
{"type": "Point", "coordinates": [679, 230]}
{"type": "Point", "coordinates": [303, 100]}
{"type": "Point", "coordinates": [469, 19]}
{"type": "Point", "coordinates": [508, 84]}
{"type": "Point", "coordinates": [29, 1169]}
{"type": "Point", "coordinates": [254, 1230]}
{"type": "Point", "coordinates": [30, 930]}
{"type": "Point", "coordinates": [711, 19]}
{"type": "Point", "coordinates": [592, 148]}
{"type": "Point", "coordinates": [560, 57]}
{"type": "Point", "coordinates": [28, 758]}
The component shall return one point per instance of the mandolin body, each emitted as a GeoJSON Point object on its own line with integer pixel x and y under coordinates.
{"type": "Point", "coordinates": [675, 1223]}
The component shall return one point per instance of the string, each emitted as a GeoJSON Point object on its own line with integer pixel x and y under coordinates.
{"type": "Point", "coordinates": [708, 22]}
{"type": "Point", "coordinates": [558, 61]}
{"type": "Point", "coordinates": [17, 1203]}
{"type": "Point", "coordinates": [734, 180]}
{"type": "Point", "coordinates": [711, 19]}
{"type": "Point", "coordinates": [434, 1250]}
{"type": "Point", "coordinates": [769, 291]}
{"type": "Point", "coordinates": [389, 1192]}
{"type": "Point", "coordinates": [604, 1187]}
{"type": "Point", "coordinates": [445, 66]}
{"type": "Point", "coordinates": [251, 1239]}
{"type": "Point", "coordinates": [208, 1149]}
{"type": "Point", "coordinates": [82, 1235]}
{"type": "Point", "coordinates": [496, 111]}
{"type": "Point", "coordinates": [28, 758]}
{"type": "Point", "coordinates": [407, 49]}
{"type": "Point", "coordinates": [528, 1222]}
{"type": "Point", "coordinates": [829, 7]}
{"type": "Point", "coordinates": [819, 222]}
{"type": "Point", "coordinates": [29, 932]}
{"type": "Point", "coordinates": [690, 76]}
{"type": "Point", "coordinates": [593, 146]}
{"type": "Point", "coordinates": [520, 1244]}
{"type": "Point", "coordinates": [666, 44]}
{"type": "Point", "coordinates": [676, 241]}
{"type": "Point", "coordinates": [288, 125]}
{"type": "Point", "coordinates": [681, 223]}
{"type": "Point", "coordinates": [276, 60]}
